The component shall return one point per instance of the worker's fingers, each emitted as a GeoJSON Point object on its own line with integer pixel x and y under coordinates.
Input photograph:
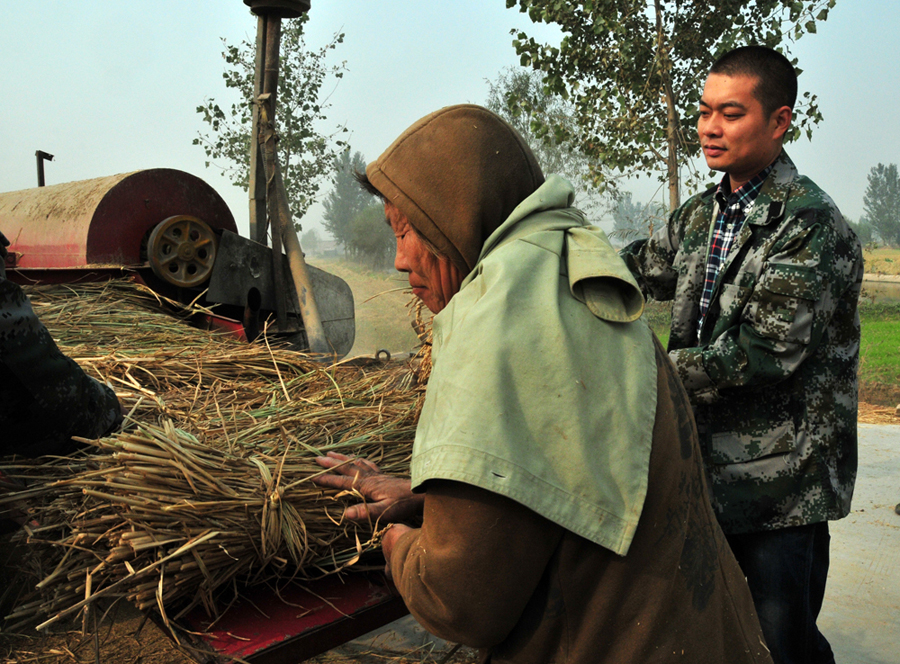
{"type": "Point", "coordinates": [333, 481]}
{"type": "Point", "coordinates": [342, 467]}
{"type": "Point", "coordinates": [347, 465]}
{"type": "Point", "coordinates": [369, 511]}
{"type": "Point", "coordinates": [370, 465]}
{"type": "Point", "coordinates": [359, 512]}
{"type": "Point", "coordinates": [328, 462]}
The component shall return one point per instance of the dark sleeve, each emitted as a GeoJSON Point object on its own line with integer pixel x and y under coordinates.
{"type": "Point", "coordinates": [651, 260]}
{"type": "Point", "coordinates": [469, 572]}
{"type": "Point", "coordinates": [49, 397]}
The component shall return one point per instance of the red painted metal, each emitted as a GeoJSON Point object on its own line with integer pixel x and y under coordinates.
{"type": "Point", "coordinates": [222, 324]}
{"type": "Point", "coordinates": [105, 220]}
{"type": "Point", "coordinates": [296, 623]}
{"type": "Point", "coordinates": [78, 275]}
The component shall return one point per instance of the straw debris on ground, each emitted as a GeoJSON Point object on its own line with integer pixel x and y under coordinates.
{"type": "Point", "coordinates": [208, 484]}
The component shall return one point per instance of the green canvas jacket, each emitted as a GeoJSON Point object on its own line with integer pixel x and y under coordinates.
{"type": "Point", "coordinates": [773, 379]}
{"type": "Point", "coordinates": [543, 382]}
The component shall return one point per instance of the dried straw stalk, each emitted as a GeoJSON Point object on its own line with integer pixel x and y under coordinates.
{"type": "Point", "coordinates": [209, 483]}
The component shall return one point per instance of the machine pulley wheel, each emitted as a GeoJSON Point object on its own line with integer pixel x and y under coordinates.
{"type": "Point", "coordinates": [182, 250]}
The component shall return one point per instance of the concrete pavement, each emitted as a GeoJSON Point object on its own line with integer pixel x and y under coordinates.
{"type": "Point", "coordinates": [861, 613]}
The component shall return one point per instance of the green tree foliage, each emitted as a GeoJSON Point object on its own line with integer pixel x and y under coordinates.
{"type": "Point", "coordinates": [372, 239]}
{"type": "Point", "coordinates": [863, 230]}
{"type": "Point", "coordinates": [305, 154]}
{"type": "Point", "coordinates": [347, 199]}
{"type": "Point", "coordinates": [518, 91]}
{"type": "Point", "coordinates": [881, 203]}
{"type": "Point", "coordinates": [633, 71]}
{"type": "Point", "coordinates": [310, 241]}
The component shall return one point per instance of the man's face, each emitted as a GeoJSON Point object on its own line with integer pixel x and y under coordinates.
{"type": "Point", "coordinates": [433, 279]}
{"type": "Point", "coordinates": [736, 134]}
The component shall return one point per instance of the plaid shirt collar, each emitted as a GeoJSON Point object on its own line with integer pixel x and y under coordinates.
{"type": "Point", "coordinates": [732, 211]}
{"type": "Point", "coordinates": [739, 200]}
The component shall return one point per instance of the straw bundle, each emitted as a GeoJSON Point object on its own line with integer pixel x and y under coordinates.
{"type": "Point", "coordinates": [208, 484]}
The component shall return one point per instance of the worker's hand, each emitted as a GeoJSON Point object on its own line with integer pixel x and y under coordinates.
{"type": "Point", "coordinates": [387, 498]}
{"type": "Point", "coordinates": [387, 544]}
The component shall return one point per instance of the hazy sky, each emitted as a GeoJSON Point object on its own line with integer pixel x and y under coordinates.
{"type": "Point", "coordinates": [111, 86]}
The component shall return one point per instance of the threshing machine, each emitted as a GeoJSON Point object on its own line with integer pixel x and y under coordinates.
{"type": "Point", "coordinates": [173, 232]}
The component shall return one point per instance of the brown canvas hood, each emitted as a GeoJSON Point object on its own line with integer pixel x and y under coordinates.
{"type": "Point", "coordinates": [457, 174]}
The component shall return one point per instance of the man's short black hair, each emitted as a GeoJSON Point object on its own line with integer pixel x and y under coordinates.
{"type": "Point", "coordinates": [776, 79]}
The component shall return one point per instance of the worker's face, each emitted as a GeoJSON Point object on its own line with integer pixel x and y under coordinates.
{"type": "Point", "coordinates": [736, 134]}
{"type": "Point", "coordinates": [433, 279]}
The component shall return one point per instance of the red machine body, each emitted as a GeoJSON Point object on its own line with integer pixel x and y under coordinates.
{"type": "Point", "coordinates": [102, 222]}
{"type": "Point", "coordinates": [173, 232]}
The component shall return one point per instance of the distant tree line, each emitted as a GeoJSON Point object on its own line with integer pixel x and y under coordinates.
{"type": "Point", "coordinates": [355, 218]}
{"type": "Point", "coordinates": [880, 222]}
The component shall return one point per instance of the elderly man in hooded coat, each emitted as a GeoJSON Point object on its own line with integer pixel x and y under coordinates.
{"type": "Point", "coordinates": [565, 515]}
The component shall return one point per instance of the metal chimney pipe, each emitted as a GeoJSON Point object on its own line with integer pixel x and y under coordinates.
{"type": "Point", "coordinates": [41, 156]}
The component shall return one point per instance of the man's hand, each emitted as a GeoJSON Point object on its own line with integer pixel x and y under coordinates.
{"type": "Point", "coordinates": [388, 498]}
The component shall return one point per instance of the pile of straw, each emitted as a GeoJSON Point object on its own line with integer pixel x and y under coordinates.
{"type": "Point", "coordinates": [208, 485]}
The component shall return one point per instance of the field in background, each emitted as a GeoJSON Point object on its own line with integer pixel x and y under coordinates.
{"type": "Point", "coordinates": [382, 305]}
{"type": "Point", "coordinates": [879, 354]}
{"type": "Point", "coordinates": [883, 260]}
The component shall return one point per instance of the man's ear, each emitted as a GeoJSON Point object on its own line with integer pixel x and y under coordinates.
{"type": "Point", "coordinates": [781, 121]}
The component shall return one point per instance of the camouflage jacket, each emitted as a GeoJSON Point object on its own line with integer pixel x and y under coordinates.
{"type": "Point", "coordinates": [773, 380]}
{"type": "Point", "coordinates": [45, 397]}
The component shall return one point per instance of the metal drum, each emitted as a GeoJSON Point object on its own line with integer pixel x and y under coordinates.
{"type": "Point", "coordinates": [110, 221]}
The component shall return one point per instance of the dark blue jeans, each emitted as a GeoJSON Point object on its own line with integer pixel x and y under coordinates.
{"type": "Point", "coordinates": [786, 571]}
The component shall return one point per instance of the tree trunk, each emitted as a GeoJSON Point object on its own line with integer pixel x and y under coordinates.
{"type": "Point", "coordinates": [671, 112]}
{"type": "Point", "coordinates": [672, 145]}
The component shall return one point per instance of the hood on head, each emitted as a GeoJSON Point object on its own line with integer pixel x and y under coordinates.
{"type": "Point", "coordinates": [456, 174]}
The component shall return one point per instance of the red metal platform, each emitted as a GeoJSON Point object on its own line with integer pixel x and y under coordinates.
{"type": "Point", "coordinates": [300, 622]}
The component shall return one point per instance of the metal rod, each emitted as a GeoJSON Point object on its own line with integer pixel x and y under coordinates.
{"type": "Point", "coordinates": [41, 156]}
{"type": "Point", "coordinates": [257, 188]}
{"type": "Point", "coordinates": [266, 126]}
{"type": "Point", "coordinates": [309, 309]}
{"type": "Point", "coordinates": [277, 206]}
{"type": "Point", "coordinates": [270, 68]}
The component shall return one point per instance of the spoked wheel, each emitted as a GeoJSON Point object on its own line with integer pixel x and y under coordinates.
{"type": "Point", "coordinates": [182, 250]}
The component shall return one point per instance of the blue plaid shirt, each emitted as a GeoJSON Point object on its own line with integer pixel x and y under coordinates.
{"type": "Point", "coordinates": [732, 211]}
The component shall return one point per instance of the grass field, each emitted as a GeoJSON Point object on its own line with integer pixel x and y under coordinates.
{"type": "Point", "coordinates": [879, 371]}
{"type": "Point", "coordinates": [883, 260]}
{"type": "Point", "coordinates": [381, 302]}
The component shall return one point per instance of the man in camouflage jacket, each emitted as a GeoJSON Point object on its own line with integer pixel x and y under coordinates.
{"type": "Point", "coordinates": [771, 364]}
{"type": "Point", "coordinates": [45, 397]}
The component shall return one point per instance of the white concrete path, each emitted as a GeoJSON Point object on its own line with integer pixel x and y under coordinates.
{"type": "Point", "coordinates": [861, 613]}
